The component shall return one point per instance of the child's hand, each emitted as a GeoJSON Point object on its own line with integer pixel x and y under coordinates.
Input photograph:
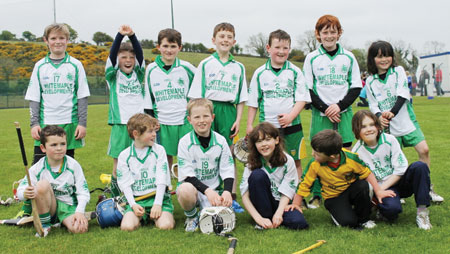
{"type": "Point", "coordinates": [155, 213]}
{"type": "Point", "coordinates": [35, 132]}
{"type": "Point", "coordinates": [29, 193]}
{"type": "Point", "coordinates": [264, 222]}
{"type": "Point", "coordinates": [277, 218]}
{"type": "Point", "coordinates": [384, 194]}
{"type": "Point", "coordinates": [234, 128]}
{"type": "Point", "coordinates": [213, 197]}
{"type": "Point", "coordinates": [388, 115]}
{"type": "Point", "coordinates": [332, 110]}
{"type": "Point", "coordinates": [227, 200]}
{"type": "Point", "coordinates": [249, 129]}
{"type": "Point", "coordinates": [335, 119]}
{"type": "Point", "coordinates": [80, 132]}
{"type": "Point", "coordinates": [138, 210]}
{"type": "Point", "coordinates": [79, 222]}
{"type": "Point", "coordinates": [284, 120]}
{"type": "Point", "coordinates": [293, 207]}
{"type": "Point", "coordinates": [384, 122]}
{"type": "Point", "coordinates": [126, 30]}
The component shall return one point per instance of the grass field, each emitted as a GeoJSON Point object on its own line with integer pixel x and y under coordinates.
{"type": "Point", "coordinates": [401, 237]}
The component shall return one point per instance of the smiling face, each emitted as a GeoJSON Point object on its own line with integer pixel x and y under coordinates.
{"type": "Point", "coordinates": [224, 41]}
{"type": "Point", "coordinates": [383, 63]}
{"type": "Point", "coordinates": [57, 44]}
{"type": "Point", "coordinates": [201, 119]}
{"type": "Point", "coordinates": [266, 145]}
{"type": "Point", "coordinates": [55, 148]}
{"type": "Point", "coordinates": [127, 61]}
{"type": "Point", "coordinates": [169, 51]}
{"type": "Point", "coordinates": [329, 37]}
{"type": "Point", "coordinates": [369, 131]}
{"type": "Point", "coordinates": [278, 52]}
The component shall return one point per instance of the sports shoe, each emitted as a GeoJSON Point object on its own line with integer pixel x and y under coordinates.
{"type": "Point", "coordinates": [402, 201]}
{"type": "Point", "coordinates": [434, 196]}
{"type": "Point", "coordinates": [237, 208]}
{"type": "Point", "coordinates": [21, 214]}
{"type": "Point", "coordinates": [423, 220]}
{"type": "Point", "coordinates": [369, 224]}
{"type": "Point", "coordinates": [46, 231]}
{"type": "Point", "coordinates": [258, 227]}
{"type": "Point", "coordinates": [314, 203]}
{"type": "Point", "coordinates": [191, 224]}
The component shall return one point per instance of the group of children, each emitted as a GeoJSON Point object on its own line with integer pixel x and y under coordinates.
{"type": "Point", "coordinates": [171, 108]}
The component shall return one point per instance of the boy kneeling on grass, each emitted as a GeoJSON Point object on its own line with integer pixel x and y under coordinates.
{"type": "Point", "coordinates": [341, 175]}
{"type": "Point", "coordinates": [58, 184]}
{"type": "Point", "coordinates": [141, 169]}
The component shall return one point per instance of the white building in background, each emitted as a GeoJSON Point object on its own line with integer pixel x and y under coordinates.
{"type": "Point", "coordinates": [430, 63]}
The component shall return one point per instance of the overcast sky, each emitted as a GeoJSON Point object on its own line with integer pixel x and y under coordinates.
{"type": "Point", "coordinates": [414, 21]}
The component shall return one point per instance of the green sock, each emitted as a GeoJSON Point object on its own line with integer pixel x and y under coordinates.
{"type": "Point", "coordinates": [26, 207]}
{"type": "Point", "coordinates": [115, 191]}
{"type": "Point", "coordinates": [45, 219]}
{"type": "Point", "coordinates": [192, 213]}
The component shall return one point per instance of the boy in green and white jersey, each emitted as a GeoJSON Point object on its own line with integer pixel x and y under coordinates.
{"type": "Point", "coordinates": [124, 74]}
{"type": "Point", "coordinates": [278, 89]}
{"type": "Point", "coordinates": [57, 184]}
{"type": "Point", "coordinates": [205, 165]}
{"type": "Point", "coordinates": [167, 82]}
{"type": "Point", "coordinates": [142, 168]}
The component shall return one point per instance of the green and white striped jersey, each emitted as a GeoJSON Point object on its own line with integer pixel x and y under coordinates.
{"type": "Point", "coordinates": [126, 92]}
{"type": "Point", "coordinates": [383, 160]}
{"type": "Point", "coordinates": [166, 90]}
{"type": "Point", "coordinates": [142, 169]}
{"type": "Point", "coordinates": [210, 165]}
{"type": "Point", "coordinates": [68, 182]}
{"type": "Point", "coordinates": [382, 95]}
{"type": "Point", "coordinates": [57, 87]}
{"type": "Point", "coordinates": [283, 179]}
{"type": "Point", "coordinates": [275, 93]}
{"type": "Point", "coordinates": [331, 77]}
{"type": "Point", "coordinates": [218, 81]}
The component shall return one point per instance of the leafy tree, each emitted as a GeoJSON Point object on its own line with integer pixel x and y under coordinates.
{"type": "Point", "coordinates": [148, 44]}
{"type": "Point", "coordinates": [361, 57]}
{"type": "Point", "coordinates": [7, 67]}
{"type": "Point", "coordinates": [7, 36]}
{"type": "Point", "coordinates": [236, 49]}
{"type": "Point", "coordinates": [308, 42]}
{"type": "Point", "coordinates": [257, 44]}
{"type": "Point", "coordinates": [29, 36]}
{"type": "Point", "coordinates": [73, 35]}
{"type": "Point", "coordinates": [187, 47]}
{"type": "Point", "coordinates": [297, 55]}
{"type": "Point", "coordinates": [100, 38]}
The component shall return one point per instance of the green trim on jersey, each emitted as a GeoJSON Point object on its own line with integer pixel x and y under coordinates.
{"type": "Point", "coordinates": [323, 51]}
{"type": "Point", "coordinates": [230, 58]}
{"type": "Point", "coordinates": [151, 92]}
{"type": "Point", "coordinates": [133, 153]}
{"type": "Point", "coordinates": [161, 64]}
{"type": "Point", "coordinates": [204, 77]}
{"type": "Point", "coordinates": [212, 141]}
{"type": "Point", "coordinates": [61, 170]}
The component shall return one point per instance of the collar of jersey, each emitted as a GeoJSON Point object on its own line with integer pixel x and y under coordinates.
{"type": "Point", "coordinates": [230, 58]}
{"type": "Point", "coordinates": [48, 60]}
{"type": "Point", "coordinates": [343, 160]}
{"type": "Point", "coordinates": [266, 165]}
{"type": "Point", "coordinates": [322, 51]}
{"type": "Point", "coordinates": [161, 64]}
{"type": "Point", "coordinates": [269, 67]}
{"type": "Point", "coordinates": [212, 141]}
{"type": "Point", "coordinates": [388, 73]}
{"type": "Point", "coordinates": [134, 154]}
{"type": "Point", "coordinates": [381, 140]}
{"type": "Point", "coordinates": [55, 174]}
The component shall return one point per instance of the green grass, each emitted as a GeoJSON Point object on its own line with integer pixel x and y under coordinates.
{"type": "Point", "coordinates": [401, 237]}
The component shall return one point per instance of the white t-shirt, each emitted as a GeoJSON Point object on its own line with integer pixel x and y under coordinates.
{"type": "Point", "coordinates": [283, 179]}
{"type": "Point", "coordinates": [166, 90]}
{"type": "Point", "coordinates": [276, 93]}
{"type": "Point", "coordinates": [69, 186]}
{"type": "Point", "coordinates": [382, 95]}
{"type": "Point", "coordinates": [210, 165]}
{"type": "Point", "coordinates": [126, 92]}
{"type": "Point", "coordinates": [385, 159]}
{"type": "Point", "coordinates": [218, 81]}
{"type": "Point", "coordinates": [57, 88]}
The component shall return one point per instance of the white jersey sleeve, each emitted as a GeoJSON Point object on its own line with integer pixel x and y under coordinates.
{"type": "Point", "coordinates": [402, 83]}
{"type": "Point", "coordinates": [288, 185]}
{"type": "Point", "coordinates": [81, 187]}
{"type": "Point", "coordinates": [83, 87]}
{"type": "Point", "coordinates": [301, 90]}
{"type": "Point", "coordinates": [243, 187]}
{"type": "Point", "coordinates": [253, 90]}
{"type": "Point", "coordinates": [33, 91]}
{"type": "Point", "coordinates": [373, 103]}
{"type": "Point", "coordinates": [148, 102]}
{"type": "Point", "coordinates": [399, 161]}
{"type": "Point", "coordinates": [124, 176]}
{"type": "Point", "coordinates": [307, 70]}
{"type": "Point", "coordinates": [186, 168]}
{"type": "Point", "coordinates": [162, 167]}
{"type": "Point", "coordinates": [196, 87]}
{"type": "Point", "coordinates": [226, 165]}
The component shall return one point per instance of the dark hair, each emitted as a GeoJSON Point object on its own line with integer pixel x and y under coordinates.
{"type": "Point", "coordinates": [280, 35]}
{"type": "Point", "coordinates": [254, 158]}
{"type": "Point", "coordinates": [382, 48]}
{"type": "Point", "coordinates": [51, 130]}
{"type": "Point", "coordinates": [171, 35]}
{"type": "Point", "coordinates": [224, 26]}
{"type": "Point", "coordinates": [357, 122]}
{"type": "Point", "coordinates": [140, 122]}
{"type": "Point", "coordinates": [126, 46]}
{"type": "Point", "coordinates": [328, 142]}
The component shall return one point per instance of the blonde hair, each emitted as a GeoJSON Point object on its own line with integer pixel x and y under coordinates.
{"type": "Point", "coordinates": [200, 102]}
{"type": "Point", "coordinates": [57, 27]}
{"type": "Point", "coordinates": [140, 122]}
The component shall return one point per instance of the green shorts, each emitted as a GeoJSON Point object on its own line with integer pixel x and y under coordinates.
{"type": "Point", "coordinates": [119, 140]}
{"type": "Point", "coordinates": [147, 204]}
{"type": "Point", "coordinates": [64, 210]}
{"type": "Point", "coordinates": [294, 144]}
{"type": "Point", "coordinates": [413, 138]}
{"type": "Point", "coordinates": [171, 135]}
{"type": "Point", "coordinates": [225, 116]}
{"type": "Point", "coordinates": [70, 129]}
{"type": "Point", "coordinates": [319, 123]}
